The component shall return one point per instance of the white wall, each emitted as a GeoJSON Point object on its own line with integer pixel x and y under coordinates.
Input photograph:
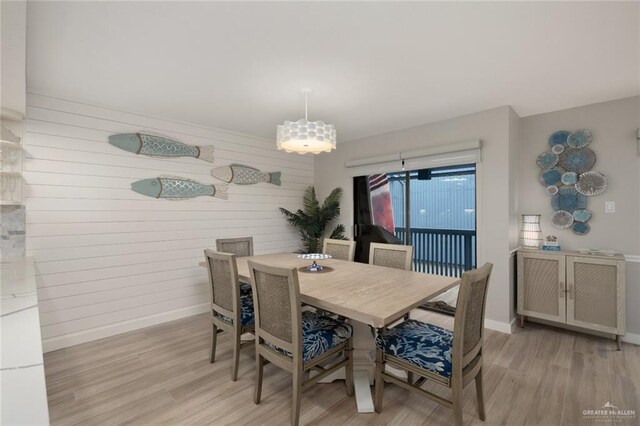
{"type": "Point", "coordinates": [614, 125]}
{"type": "Point", "coordinates": [515, 139]}
{"type": "Point", "coordinates": [13, 40]}
{"type": "Point", "coordinates": [110, 260]}
{"type": "Point", "coordinates": [493, 128]}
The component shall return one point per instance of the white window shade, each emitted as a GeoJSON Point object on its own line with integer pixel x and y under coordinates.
{"type": "Point", "coordinates": [436, 156]}
{"type": "Point", "coordinates": [441, 160]}
{"type": "Point", "coordinates": [374, 165]}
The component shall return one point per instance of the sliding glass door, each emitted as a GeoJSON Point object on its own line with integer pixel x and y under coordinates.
{"type": "Point", "coordinates": [434, 210]}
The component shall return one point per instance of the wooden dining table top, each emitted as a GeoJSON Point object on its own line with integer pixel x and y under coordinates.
{"type": "Point", "coordinates": [374, 295]}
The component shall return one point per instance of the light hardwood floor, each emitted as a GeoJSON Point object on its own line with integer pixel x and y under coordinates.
{"type": "Point", "coordinates": [161, 375]}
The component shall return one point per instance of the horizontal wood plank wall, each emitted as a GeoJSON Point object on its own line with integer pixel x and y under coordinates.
{"type": "Point", "coordinates": [110, 260]}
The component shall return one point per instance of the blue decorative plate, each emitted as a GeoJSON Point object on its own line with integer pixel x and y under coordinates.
{"type": "Point", "coordinates": [559, 138]}
{"type": "Point", "coordinates": [547, 160]}
{"type": "Point", "coordinates": [581, 215]}
{"type": "Point", "coordinates": [561, 219]}
{"type": "Point", "coordinates": [569, 178]}
{"type": "Point", "coordinates": [569, 199]}
{"type": "Point", "coordinates": [579, 138]}
{"type": "Point", "coordinates": [579, 160]}
{"type": "Point", "coordinates": [551, 176]}
{"type": "Point", "coordinates": [580, 228]}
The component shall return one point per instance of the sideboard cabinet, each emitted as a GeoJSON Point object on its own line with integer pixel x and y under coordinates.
{"type": "Point", "coordinates": [581, 290]}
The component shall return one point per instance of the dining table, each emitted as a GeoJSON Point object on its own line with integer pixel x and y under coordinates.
{"type": "Point", "coordinates": [372, 297]}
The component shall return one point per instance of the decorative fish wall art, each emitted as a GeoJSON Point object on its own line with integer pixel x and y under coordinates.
{"type": "Point", "coordinates": [158, 146]}
{"type": "Point", "coordinates": [240, 174]}
{"type": "Point", "coordinates": [177, 188]}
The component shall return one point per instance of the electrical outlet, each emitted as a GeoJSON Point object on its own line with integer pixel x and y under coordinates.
{"type": "Point", "coordinates": [609, 206]}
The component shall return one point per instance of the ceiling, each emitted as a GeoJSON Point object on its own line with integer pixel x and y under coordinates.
{"type": "Point", "coordinates": [373, 67]}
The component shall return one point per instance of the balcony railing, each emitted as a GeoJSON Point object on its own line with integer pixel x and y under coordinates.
{"type": "Point", "coordinates": [442, 251]}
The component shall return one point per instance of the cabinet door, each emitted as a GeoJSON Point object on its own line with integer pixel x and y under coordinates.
{"type": "Point", "coordinates": [595, 294]}
{"type": "Point", "coordinates": [541, 288]}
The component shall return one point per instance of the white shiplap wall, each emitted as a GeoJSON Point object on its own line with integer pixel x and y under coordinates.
{"type": "Point", "coordinates": [110, 260]}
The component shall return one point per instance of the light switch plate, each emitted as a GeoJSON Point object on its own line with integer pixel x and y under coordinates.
{"type": "Point", "coordinates": [609, 206]}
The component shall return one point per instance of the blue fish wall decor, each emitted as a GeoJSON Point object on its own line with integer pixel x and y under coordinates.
{"type": "Point", "coordinates": [240, 174]}
{"type": "Point", "coordinates": [176, 188]}
{"type": "Point", "coordinates": [158, 146]}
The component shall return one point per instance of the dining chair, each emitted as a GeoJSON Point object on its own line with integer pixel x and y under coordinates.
{"type": "Point", "coordinates": [241, 247]}
{"type": "Point", "coordinates": [293, 340]}
{"type": "Point", "coordinates": [391, 255]}
{"type": "Point", "coordinates": [450, 358]}
{"type": "Point", "coordinates": [238, 246]}
{"type": "Point", "coordinates": [339, 249]}
{"type": "Point", "coordinates": [231, 310]}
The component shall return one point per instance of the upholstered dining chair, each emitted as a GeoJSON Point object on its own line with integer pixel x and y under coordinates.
{"type": "Point", "coordinates": [293, 340]}
{"type": "Point", "coordinates": [231, 310]}
{"type": "Point", "coordinates": [339, 249]}
{"type": "Point", "coordinates": [241, 247]}
{"type": "Point", "coordinates": [452, 359]}
{"type": "Point", "coordinates": [391, 255]}
{"type": "Point", "coordinates": [238, 246]}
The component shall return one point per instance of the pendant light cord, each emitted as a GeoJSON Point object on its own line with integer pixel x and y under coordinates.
{"type": "Point", "coordinates": [306, 105]}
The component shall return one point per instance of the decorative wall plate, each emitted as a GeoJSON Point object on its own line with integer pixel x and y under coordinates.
{"type": "Point", "coordinates": [591, 183]}
{"type": "Point", "coordinates": [569, 199]}
{"type": "Point", "coordinates": [559, 138]}
{"type": "Point", "coordinates": [551, 176]}
{"type": "Point", "coordinates": [577, 160]}
{"type": "Point", "coordinates": [547, 160]}
{"type": "Point", "coordinates": [557, 149]}
{"type": "Point", "coordinates": [552, 190]}
{"type": "Point", "coordinates": [579, 138]}
{"type": "Point", "coordinates": [561, 219]}
{"type": "Point", "coordinates": [582, 215]}
{"type": "Point", "coordinates": [569, 178]}
{"type": "Point", "coordinates": [580, 228]}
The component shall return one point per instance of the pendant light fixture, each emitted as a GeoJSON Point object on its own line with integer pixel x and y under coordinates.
{"type": "Point", "coordinates": [304, 136]}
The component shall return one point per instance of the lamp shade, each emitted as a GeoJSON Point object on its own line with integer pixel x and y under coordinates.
{"type": "Point", "coordinates": [531, 235]}
{"type": "Point", "coordinates": [304, 136]}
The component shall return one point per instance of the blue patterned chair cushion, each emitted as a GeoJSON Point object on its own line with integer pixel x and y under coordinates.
{"type": "Point", "coordinates": [245, 288]}
{"type": "Point", "coordinates": [424, 345]}
{"type": "Point", "coordinates": [246, 309]}
{"type": "Point", "coordinates": [319, 334]}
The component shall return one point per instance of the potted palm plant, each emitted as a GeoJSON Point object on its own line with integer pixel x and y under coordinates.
{"type": "Point", "coordinates": [312, 220]}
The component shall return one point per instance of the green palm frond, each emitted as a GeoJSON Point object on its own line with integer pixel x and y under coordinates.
{"type": "Point", "coordinates": [312, 220]}
{"type": "Point", "coordinates": [338, 233]}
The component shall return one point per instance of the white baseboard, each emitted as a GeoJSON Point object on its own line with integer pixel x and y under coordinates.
{"type": "Point", "coordinates": [500, 326]}
{"type": "Point", "coordinates": [84, 336]}
{"type": "Point", "coordinates": [632, 338]}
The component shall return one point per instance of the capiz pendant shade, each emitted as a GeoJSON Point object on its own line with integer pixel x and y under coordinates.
{"type": "Point", "coordinates": [304, 136]}
{"type": "Point", "coordinates": [531, 235]}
